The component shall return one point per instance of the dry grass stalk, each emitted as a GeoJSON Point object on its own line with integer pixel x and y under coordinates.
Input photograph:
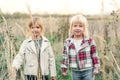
{"type": "Point", "coordinates": [20, 27]}
{"type": "Point", "coordinates": [39, 74]}
{"type": "Point", "coordinates": [8, 47]}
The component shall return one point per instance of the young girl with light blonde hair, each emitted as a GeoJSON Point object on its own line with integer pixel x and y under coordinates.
{"type": "Point", "coordinates": [79, 51]}
{"type": "Point", "coordinates": [36, 53]}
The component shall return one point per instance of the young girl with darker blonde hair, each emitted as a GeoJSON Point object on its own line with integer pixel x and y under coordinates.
{"type": "Point", "coordinates": [79, 52]}
{"type": "Point", "coordinates": [36, 53]}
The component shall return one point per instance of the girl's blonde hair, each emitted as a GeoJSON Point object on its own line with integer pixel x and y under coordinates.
{"type": "Point", "coordinates": [81, 19]}
{"type": "Point", "coordinates": [32, 22]}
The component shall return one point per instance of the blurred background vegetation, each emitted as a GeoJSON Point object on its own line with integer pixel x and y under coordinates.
{"type": "Point", "coordinates": [103, 28]}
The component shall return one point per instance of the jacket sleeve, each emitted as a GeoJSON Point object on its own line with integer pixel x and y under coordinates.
{"type": "Point", "coordinates": [65, 60]}
{"type": "Point", "coordinates": [95, 56]}
{"type": "Point", "coordinates": [52, 61]}
{"type": "Point", "coordinates": [18, 60]}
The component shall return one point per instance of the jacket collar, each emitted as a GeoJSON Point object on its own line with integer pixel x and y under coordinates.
{"type": "Point", "coordinates": [43, 46]}
{"type": "Point", "coordinates": [43, 38]}
{"type": "Point", "coordinates": [85, 42]}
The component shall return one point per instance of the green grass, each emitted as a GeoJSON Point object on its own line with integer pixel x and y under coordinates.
{"type": "Point", "coordinates": [59, 72]}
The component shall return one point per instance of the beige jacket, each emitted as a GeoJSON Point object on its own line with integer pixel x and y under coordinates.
{"type": "Point", "coordinates": [28, 55]}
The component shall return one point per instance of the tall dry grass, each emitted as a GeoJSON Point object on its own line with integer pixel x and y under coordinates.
{"type": "Point", "coordinates": [104, 29]}
{"type": "Point", "coordinates": [104, 32]}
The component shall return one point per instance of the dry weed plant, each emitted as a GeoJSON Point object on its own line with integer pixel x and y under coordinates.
{"type": "Point", "coordinates": [110, 68]}
{"type": "Point", "coordinates": [9, 47]}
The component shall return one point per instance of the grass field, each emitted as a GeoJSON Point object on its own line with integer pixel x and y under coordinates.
{"type": "Point", "coordinates": [105, 31]}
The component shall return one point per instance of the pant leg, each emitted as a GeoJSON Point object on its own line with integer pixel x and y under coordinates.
{"type": "Point", "coordinates": [76, 75]}
{"type": "Point", "coordinates": [31, 77]}
{"type": "Point", "coordinates": [87, 74]}
{"type": "Point", "coordinates": [28, 77]}
{"type": "Point", "coordinates": [34, 77]}
{"type": "Point", "coordinates": [45, 77]}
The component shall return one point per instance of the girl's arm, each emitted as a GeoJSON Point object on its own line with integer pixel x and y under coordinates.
{"type": "Point", "coordinates": [65, 60]}
{"type": "Point", "coordinates": [18, 60]}
{"type": "Point", "coordinates": [52, 62]}
{"type": "Point", "coordinates": [95, 57]}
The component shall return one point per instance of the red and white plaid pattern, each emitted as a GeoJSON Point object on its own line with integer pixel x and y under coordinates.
{"type": "Point", "coordinates": [85, 58]}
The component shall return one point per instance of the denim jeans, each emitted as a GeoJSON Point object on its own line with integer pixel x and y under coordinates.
{"type": "Point", "coordinates": [82, 75]}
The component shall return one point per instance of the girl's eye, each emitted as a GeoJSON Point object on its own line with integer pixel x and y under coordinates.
{"type": "Point", "coordinates": [37, 27]}
{"type": "Point", "coordinates": [32, 27]}
{"type": "Point", "coordinates": [75, 25]}
{"type": "Point", "coordinates": [78, 25]}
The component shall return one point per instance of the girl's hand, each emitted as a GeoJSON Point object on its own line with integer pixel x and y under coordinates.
{"type": "Point", "coordinates": [95, 71]}
{"type": "Point", "coordinates": [53, 78]}
{"type": "Point", "coordinates": [96, 74]}
{"type": "Point", "coordinates": [64, 74]}
{"type": "Point", "coordinates": [13, 74]}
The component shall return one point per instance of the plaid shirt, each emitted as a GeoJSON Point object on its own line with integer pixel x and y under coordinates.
{"type": "Point", "coordinates": [85, 58]}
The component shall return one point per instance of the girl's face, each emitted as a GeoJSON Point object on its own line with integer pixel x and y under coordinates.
{"type": "Point", "coordinates": [35, 30]}
{"type": "Point", "coordinates": [77, 29]}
